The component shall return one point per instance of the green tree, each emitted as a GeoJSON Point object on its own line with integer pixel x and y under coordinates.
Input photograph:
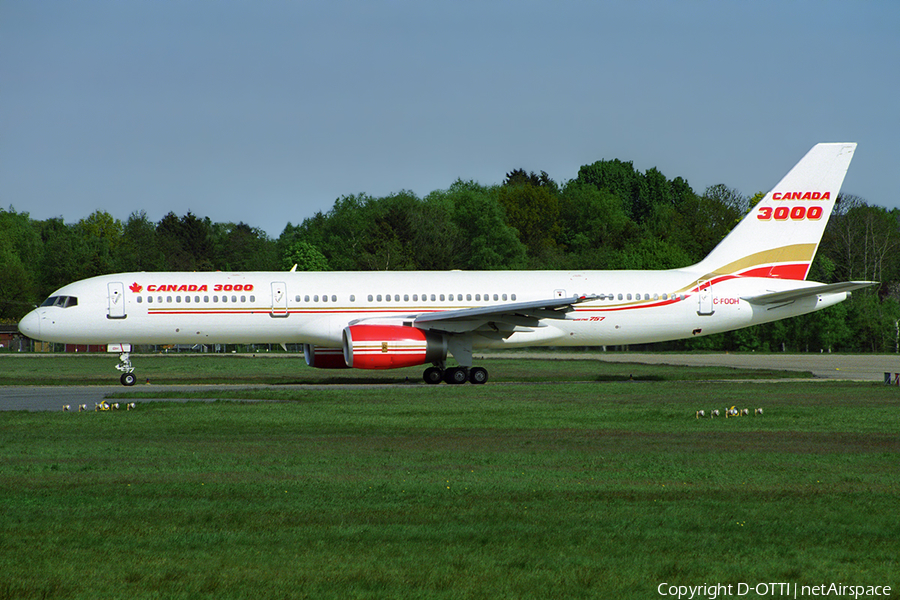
{"type": "Point", "coordinates": [20, 251]}
{"type": "Point", "coordinates": [186, 242]}
{"type": "Point", "coordinates": [139, 250]}
{"type": "Point", "coordinates": [863, 240]}
{"type": "Point", "coordinates": [239, 247]}
{"type": "Point", "coordinates": [621, 179]}
{"type": "Point", "coordinates": [101, 235]}
{"type": "Point", "coordinates": [595, 226]}
{"type": "Point", "coordinates": [531, 204]}
{"type": "Point", "coordinates": [62, 260]}
{"type": "Point", "coordinates": [489, 243]}
{"type": "Point", "coordinates": [306, 256]}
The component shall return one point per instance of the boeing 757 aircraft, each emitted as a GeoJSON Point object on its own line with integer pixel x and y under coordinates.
{"type": "Point", "coordinates": [386, 320]}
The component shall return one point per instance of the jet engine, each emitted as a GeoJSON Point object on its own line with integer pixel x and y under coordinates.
{"type": "Point", "coordinates": [391, 346]}
{"type": "Point", "coordinates": [324, 358]}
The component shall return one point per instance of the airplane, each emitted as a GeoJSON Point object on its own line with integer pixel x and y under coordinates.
{"type": "Point", "coordinates": [385, 320]}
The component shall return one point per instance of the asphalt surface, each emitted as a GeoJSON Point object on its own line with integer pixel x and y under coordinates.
{"type": "Point", "coordinates": [852, 367]}
{"type": "Point", "coordinates": [823, 366]}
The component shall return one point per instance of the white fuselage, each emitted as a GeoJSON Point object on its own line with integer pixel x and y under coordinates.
{"type": "Point", "coordinates": [315, 307]}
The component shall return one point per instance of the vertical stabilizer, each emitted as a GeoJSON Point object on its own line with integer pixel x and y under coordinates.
{"type": "Point", "coordinates": [779, 237]}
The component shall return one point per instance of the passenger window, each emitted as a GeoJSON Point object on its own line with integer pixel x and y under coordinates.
{"type": "Point", "coordinates": [477, 297]}
{"type": "Point", "coordinates": [234, 298]}
{"type": "Point", "coordinates": [187, 299]}
{"type": "Point", "coordinates": [169, 299]}
{"type": "Point", "coordinates": [415, 297]}
{"type": "Point", "coordinates": [243, 298]}
{"type": "Point", "coordinates": [370, 297]}
{"type": "Point", "coordinates": [378, 297]}
{"type": "Point", "coordinates": [178, 299]}
{"type": "Point", "coordinates": [140, 300]}
{"type": "Point", "coordinates": [513, 297]}
{"type": "Point", "coordinates": [352, 298]}
{"type": "Point", "coordinates": [206, 299]}
{"type": "Point", "coordinates": [442, 297]}
{"type": "Point", "coordinates": [252, 298]}
{"type": "Point", "coordinates": [620, 296]}
{"type": "Point", "coordinates": [150, 299]}
{"type": "Point", "coordinates": [504, 297]}
{"type": "Point", "coordinates": [496, 297]}
{"type": "Point", "coordinates": [215, 299]}
{"type": "Point", "coordinates": [432, 297]}
{"type": "Point", "coordinates": [406, 297]}
{"type": "Point", "coordinates": [324, 298]}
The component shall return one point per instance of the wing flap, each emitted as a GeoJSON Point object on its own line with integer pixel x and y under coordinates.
{"type": "Point", "coordinates": [523, 314]}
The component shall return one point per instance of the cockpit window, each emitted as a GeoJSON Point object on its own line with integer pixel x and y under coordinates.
{"type": "Point", "coordinates": [61, 301]}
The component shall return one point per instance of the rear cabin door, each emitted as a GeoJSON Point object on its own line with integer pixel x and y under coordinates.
{"type": "Point", "coordinates": [706, 299]}
{"type": "Point", "coordinates": [116, 297]}
{"type": "Point", "coordinates": [279, 299]}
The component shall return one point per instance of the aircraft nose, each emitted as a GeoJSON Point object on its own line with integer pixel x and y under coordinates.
{"type": "Point", "coordinates": [30, 325]}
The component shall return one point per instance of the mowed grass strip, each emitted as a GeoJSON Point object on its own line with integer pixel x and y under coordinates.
{"type": "Point", "coordinates": [558, 490]}
{"type": "Point", "coordinates": [278, 368]}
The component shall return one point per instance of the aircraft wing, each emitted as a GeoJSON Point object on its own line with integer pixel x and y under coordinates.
{"type": "Point", "coordinates": [514, 314]}
{"type": "Point", "coordinates": [805, 292]}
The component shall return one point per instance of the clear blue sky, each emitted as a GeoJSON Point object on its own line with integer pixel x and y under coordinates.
{"type": "Point", "coordinates": [267, 111]}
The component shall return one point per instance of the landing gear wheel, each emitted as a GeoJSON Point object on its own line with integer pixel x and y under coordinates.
{"type": "Point", "coordinates": [128, 379]}
{"type": "Point", "coordinates": [456, 375]}
{"type": "Point", "coordinates": [478, 375]}
{"type": "Point", "coordinates": [433, 375]}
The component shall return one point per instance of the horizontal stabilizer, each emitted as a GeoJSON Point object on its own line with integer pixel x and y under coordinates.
{"type": "Point", "coordinates": [806, 292]}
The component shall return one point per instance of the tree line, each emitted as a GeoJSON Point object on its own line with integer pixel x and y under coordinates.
{"type": "Point", "coordinates": [611, 216]}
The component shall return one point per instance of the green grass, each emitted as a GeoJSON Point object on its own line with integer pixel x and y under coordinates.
{"type": "Point", "coordinates": [280, 369]}
{"type": "Point", "coordinates": [559, 490]}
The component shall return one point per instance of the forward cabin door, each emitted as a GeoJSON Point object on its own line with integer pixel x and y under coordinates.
{"type": "Point", "coordinates": [279, 299]}
{"type": "Point", "coordinates": [116, 297]}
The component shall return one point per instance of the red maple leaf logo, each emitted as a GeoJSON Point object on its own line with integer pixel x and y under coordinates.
{"type": "Point", "coordinates": [135, 287]}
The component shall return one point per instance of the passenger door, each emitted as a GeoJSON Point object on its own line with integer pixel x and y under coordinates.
{"type": "Point", "coordinates": [279, 299]}
{"type": "Point", "coordinates": [705, 298]}
{"type": "Point", "coordinates": [116, 299]}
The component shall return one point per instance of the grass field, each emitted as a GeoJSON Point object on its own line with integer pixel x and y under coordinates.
{"type": "Point", "coordinates": [603, 489]}
{"type": "Point", "coordinates": [281, 369]}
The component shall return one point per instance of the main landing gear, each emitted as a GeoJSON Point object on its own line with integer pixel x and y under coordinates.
{"type": "Point", "coordinates": [455, 375]}
{"type": "Point", "coordinates": [127, 369]}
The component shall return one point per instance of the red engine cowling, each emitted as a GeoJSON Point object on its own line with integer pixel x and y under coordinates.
{"type": "Point", "coordinates": [324, 358]}
{"type": "Point", "coordinates": [391, 346]}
